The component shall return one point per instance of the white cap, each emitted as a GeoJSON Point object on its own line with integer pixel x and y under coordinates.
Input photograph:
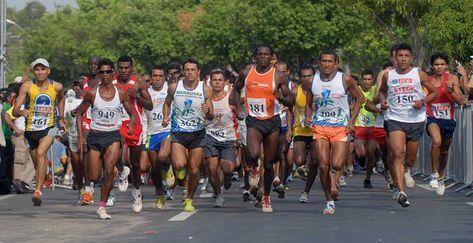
{"type": "Point", "coordinates": [18, 79]}
{"type": "Point", "coordinates": [471, 57]}
{"type": "Point", "coordinates": [41, 61]}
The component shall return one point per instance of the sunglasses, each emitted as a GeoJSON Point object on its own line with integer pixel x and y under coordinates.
{"type": "Point", "coordinates": [106, 71]}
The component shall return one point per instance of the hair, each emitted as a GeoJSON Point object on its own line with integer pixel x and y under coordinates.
{"type": "Point", "coordinates": [436, 56]}
{"type": "Point", "coordinates": [174, 65]}
{"type": "Point", "coordinates": [217, 71]}
{"type": "Point", "coordinates": [76, 83]}
{"type": "Point", "coordinates": [355, 78]}
{"type": "Point", "coordinates": [94, 58]}
{"type": "Point", "coordinates": [282, 62]}
{"type": "Point", "coordinates": [367, 72]}
{"type": "Point", "coordinates": [393, 50]}
{"type": "Point", "coordinates": [255, 51]}
{"type": "Point", "coordinates": [306, 66]}
{"type": "Point", "coordinates": [403, 46]}
{"type": "Point", "coordinates": [386, 65]}
{"type": "Point", "coordinates": [106, 62]}
{"type": "Point", "coordinates": [329, 52]}
{"type": "Point", "coordinates": [125, 59]}
{"type": "Point", "coordinates": [158, 67]}
{"type": "Point", "coordinates": [193, 61]}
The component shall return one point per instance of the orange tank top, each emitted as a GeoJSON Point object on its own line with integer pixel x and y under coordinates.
{"type": "Point", "coordinates": [259, 93]}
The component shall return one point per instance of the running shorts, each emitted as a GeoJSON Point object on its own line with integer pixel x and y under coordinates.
{"type": "Point", "coordinates": [33, 137]}
{"type": "Point", "coordinates": [264, 127]}
{"type": "Point", "coordinates": [413, 131]}
{"type": "Point", "coordinates": [153, 142]}
{"type": "Point", "coordinates": [447, 127]}
{"type": "Point", "coordinates": [135, 139]}
{"type": "Point", "coordinates": [189, 140]}
{"type": "Point", "coordinates": [224, 150]}
{"type": "Point", "coordinates": [100, 141]}
{"type": "Point", "coordinates": [332, 134]}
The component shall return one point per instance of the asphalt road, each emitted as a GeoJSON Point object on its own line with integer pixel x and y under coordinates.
{"type": "Point", "coordinates": [362, 215]}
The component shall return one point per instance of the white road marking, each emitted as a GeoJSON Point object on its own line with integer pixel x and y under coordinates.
{"type": "Point", "coordinates": [6, 196]}
{"type": "Point", "coordinates": [205, 195]}
{"type": "Point", "coordinates": [182, 216]}
{"type": "Point", "coordinates": [469, 203]}
{"type": "Point", "coordinates": [426, 187]}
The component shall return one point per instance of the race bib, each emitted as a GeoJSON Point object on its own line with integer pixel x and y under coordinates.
{"type": "Point", "coordinates": [442, 110]}
{"type": "Point", "coordinates": [41, 116]}
{"type": "Point", "coordinates": [257, 107]}
{"type": "Point", "coordinates": [157, 116]}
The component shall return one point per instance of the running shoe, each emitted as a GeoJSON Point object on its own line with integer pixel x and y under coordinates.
{"type": "Point", "coordinates": [205, 184]}
{"type": "Point", "coordinates": [329, 208]}
{"type": "Point", "coordinates": [227, 182]}
{"type": "Point", "coordinates": [235, 176]}
{"type": "Point", "coordinates": [302, 172]}
{"type": "Point", "coordinates": [219, 201]}
{"type": "Point", "coordinates": [280, 190]}
{"type": "Point", "coordinates": [170, 179]}
{"type": "Point", "coordinates": [170, 194]}
{"type": "Point", "coordinates": [395, 192]}
{"type": "Point", "coordinates": [403, 200]}
{"type": "Point", "coordinates": [367, 184]}
{"type": "Point", "coordinates": [144, 178]}
{"type": "Point", "coordinates": [254, 177]}
{"type": "Point", "coordinates": [434, 180]}
{"type": "Point", "coordinates": [160, 201]}
{"type": "Point", "coordinates": [87, 199]}
{"type": "Point", "coordinates": [181, 174]}
{"type": "Point", "coordinates": [37, 198]}
{"type": "Point", "coordinates": [342, 181]}
{"type": "Point", "coordinates": [137, 202]}
{"type": "Point", "coordinates": [408, 179]}
{"type": "Point", "coordinates": [111, 200]}
{"type": "Point", "coordinates": [440, 190]}
{"type": "Point", "coordinates": [246, 196]}
{"type": "Point", "coordinates": [380, 167]}
{"type": "Point", "coordinates": [276, 181]}
{"type": "Point", "coordinates": [102, 213]}
{"type": "Point", "coordinates": [123, 179]}
{"type": "Point", "coordinates": [304, 198]}
{"type": "Point", "coordinates": [266, 205]}
{"type": "Point", "coordinates": [189, 205]}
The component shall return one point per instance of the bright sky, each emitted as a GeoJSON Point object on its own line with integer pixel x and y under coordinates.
{"type": "Point", "coordinates": [50, 4]}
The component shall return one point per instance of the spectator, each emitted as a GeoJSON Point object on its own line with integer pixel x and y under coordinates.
{"type": "Point", "coordinates": [6, 153]}
{"type": "Point", "coordinates": [58, 157]}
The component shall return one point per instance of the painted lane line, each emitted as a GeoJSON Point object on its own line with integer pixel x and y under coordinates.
{"type": "Point", "coordinates": [6, 196]}
{"type": "Point", "coordinates": [181, 216]}
{"type": "Point", "coordinates": [426, 187]}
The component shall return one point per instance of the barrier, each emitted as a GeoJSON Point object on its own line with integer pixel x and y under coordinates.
{"type": "Point", "coordinates": [460, 161]}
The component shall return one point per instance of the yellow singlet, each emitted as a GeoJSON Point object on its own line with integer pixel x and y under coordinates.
{"type": "Point", "coordinates": [41, 107]}
{"type": "Point", "coordinates": [299, 114]}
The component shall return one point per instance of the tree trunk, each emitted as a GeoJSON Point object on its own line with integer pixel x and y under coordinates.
{"type": "Point", "coordinates": [418, 47]}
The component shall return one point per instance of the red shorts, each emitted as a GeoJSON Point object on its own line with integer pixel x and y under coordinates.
{"type": "Point", "coordinates": [380, 135]}
{"type": "Point", "coordinates": [135, 139]}
{"type": "Point", "coordinates": [371, 133]}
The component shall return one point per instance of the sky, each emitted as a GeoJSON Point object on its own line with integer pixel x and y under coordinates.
{"type": "Point", "coordinates": [19, 4]}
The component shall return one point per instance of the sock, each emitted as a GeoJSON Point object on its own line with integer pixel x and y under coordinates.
{"type": "Point", "coordinates": [102, 204]}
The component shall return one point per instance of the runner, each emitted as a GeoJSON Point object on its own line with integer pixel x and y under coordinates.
{"type": "Point", "coordinates": [441, 118]}
{"type": "Point", "coordinates": [104, 138]}
{"type": "Point", "coordinates": [365, 143]}
{"type": "Point", "coordinates": [159, 141]}
{"type": "Point", "coordinates": [331, 121]}
{"type": "Point", "coordinates": [261, 81]}
{"type": "Point", "coordinates": [135, 88]}
{"type": "Point", "coordinates": [44, 100]}
{"type": "Point", "coordinates": [191, 102]}
{"type": "Point", "coordinates": [401, 95]}
{"type": "Point", "coordinates": [221, 136]}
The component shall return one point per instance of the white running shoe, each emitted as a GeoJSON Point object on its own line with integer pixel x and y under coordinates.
{"type": "Point", "coordinates": [123, 179]}
{"type": "Point", "coordinates": [111, 199]}
{"type": "Point", "coordinates": [395, 191]}
{"type": "Point", "coordinates": [102, 213]}
{"type": "Point", "coordinates": [342, 181]}
{"type": "Point", "coordinates": [219, 201]}
{"type": "Point", "coordinates": [408, 179]}
{"type": "Point", "coordinates": [329, 208]}
{"type": "Point", "coordinates": [304, 198]}
{"type": "Point", "coordinates": [137, 203]}
{"type": "Point", "coordinates": [440, 190]}
{"type": "Point", "coordinates": [434, 180]}
{"type": "Point", "coordinates": [205, 184]}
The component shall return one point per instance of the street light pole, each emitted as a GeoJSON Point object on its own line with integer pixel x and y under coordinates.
{"type": "Point", "coordinates": [3, 37]}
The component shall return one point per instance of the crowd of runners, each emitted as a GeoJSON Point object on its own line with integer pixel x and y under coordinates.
{"type": "Point", "coordinates": [176, 125]}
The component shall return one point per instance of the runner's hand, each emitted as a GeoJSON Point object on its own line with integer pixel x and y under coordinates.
{"type": "Point", "coordinates": [449, 86]}
{"type": "Point", "coordinates": [165, 122]}
{"type": "Point", "coordinates": [132, 92]}
{"type": "Point", "coordinates": [205, 109]}
{"type": "Point", "coordinates": [62, 126]}
{"type": "Point", "coordinates": [289, 135]}
{"type": "Point", "coordinates": [24, 113]}
{"type": "Point", "coordinates": [308, 121]}
{"type": "Point", "coordinates": [418, 104]}
{"type": "Point", "coordinates": [278, 95]}
{"type": "Point", "coordinates": [461, 70]}
{"type": "Point", "coordinates": [18, 132]}
{"type": "Point", "coordinates": [350, 127]}
{"type": "Point", "coordinates": [384, 106]}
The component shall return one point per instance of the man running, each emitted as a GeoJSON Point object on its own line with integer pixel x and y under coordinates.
{"type": "Point", "coordinates": [104, 138]}
{"type": "Point", "coordinates": [221, 137]}
{"type": "Point", "coordinates": [70, 113]}
{"type": "Point", "coordinates": [159, 141]}
{"type": "Point", "coordinates": [44, 104]}
{"type": "Point", "coordinates": [401, 95]}
{"type": "Point", "coordinates": [134, 87]}
{"type": "Point", "coordinates": [261, 81]}
{"type": "Point", "coordinates": [441, 118]}
{"type": "Point", "coordinates": [191, 103]}
{"type": "Point", "coordinates": [331, 121]}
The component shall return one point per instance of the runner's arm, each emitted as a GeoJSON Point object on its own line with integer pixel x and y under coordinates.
{"type": "Point", "coordinates": [125, 100]}
{"type": "Point", "coordinates": [357, 96]}
{"type": "Point", "coordinates": [382, 91]}
{"type": "Point", "coordinates": [144, 97]}
{"type": "Point", "coordinates": [208, 103]}
{"type": "Point", "coordinates": [432, 92]}
{"type": "Point", "coordinates": [371, 106]}
{"type": "Point", "coordinates": [167, 103]}
{"type": "Point", "coordinates": [456, 92]}
{"type": "Point", "coordinates": [309, 104]}
{"type": "Point", "coordinates": [81, 109]}
{"type": "Point", "coordinates": [235, 94]}
{"type": "Point", "coordinates": [379, 81]}
{"type": "Point", "coordinates": [9, 121]}
{"type": "Point", "coordinates": [287, 98]}
{"type": "Point", "coordinates": [20, 100]}
{"type": "Point", "coordinates": [60, 105]}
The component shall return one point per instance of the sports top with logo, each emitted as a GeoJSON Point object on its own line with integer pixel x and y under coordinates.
{"type": "Point", "coordinates": [155, 116]}
{"type": "Point", "coordinates": [403, 89]}
{"type": "Point", "coordinates": [187, 115]}
{"type": "Point", "coordinates": [259, 90]}
{"type": "Point", "coordinates": [330, 101]}
{"type": "Point", "coordinates": [41, 107]}
{"type": "Point", "coordinates": [106, 115]}
{"type": "Point", "coordinates": [299, 113]}
{"type": "Point", "coordinates": [366, 118]}
{"type": "Point", "coordinates": [443, 106]}
{"type": "Point", "coordinates": [223, 127]}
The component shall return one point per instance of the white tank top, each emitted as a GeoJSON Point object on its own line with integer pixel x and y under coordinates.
{"type": "Point", "coordinates": [403, 89]}
{"type": "Point", "coordinates": [330, 102]}
{"type": "Point", "coordinates": [155, 116]}
{"type": "Point", "coordinates": [223, 127]}
{"type": "Point", "coordinates": [187, 115]}
{"type": "Point", "coordinates": [106, 115]}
